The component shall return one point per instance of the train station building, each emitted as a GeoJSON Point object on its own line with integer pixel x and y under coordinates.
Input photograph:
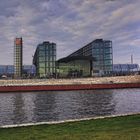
{"type": "Point", "coordinates": [94, 59]}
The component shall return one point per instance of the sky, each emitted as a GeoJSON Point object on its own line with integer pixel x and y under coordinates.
{"type": "Point", "coordinates": [70, 24]}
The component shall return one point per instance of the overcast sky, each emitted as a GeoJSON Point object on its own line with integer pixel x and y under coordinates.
{"type": "Point", "coordinates": [70, 24]}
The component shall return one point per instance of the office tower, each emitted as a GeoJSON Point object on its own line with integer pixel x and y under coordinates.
{"type": "Point", "coordinates": [18, 57]}
{"type": "Point", "coordinates": [44, 60]}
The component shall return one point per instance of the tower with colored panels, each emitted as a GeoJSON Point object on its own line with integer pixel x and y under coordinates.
{"type": "Point", "coordinates": [18, 47]}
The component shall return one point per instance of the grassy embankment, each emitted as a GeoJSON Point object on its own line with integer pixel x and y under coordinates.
{"type": "Point", "coordinates": [119, 128]}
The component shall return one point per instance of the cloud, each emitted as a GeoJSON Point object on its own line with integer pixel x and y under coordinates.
{"type": "Point", "coordinates": [71, 24]}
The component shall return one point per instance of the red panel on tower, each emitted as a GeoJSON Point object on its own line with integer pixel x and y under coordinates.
{"type": "Point", "coordinates": [18, 41]}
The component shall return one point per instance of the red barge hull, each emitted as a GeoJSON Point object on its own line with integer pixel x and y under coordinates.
{"type": "Point", "coordinates": [67, 87]}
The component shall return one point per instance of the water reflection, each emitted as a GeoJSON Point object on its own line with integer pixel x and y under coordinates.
{"type": "Point", "coordinates": [72, 104]}
{"type": "Point", "coordinates": [51, 106]}
{"type": "Point", "coordinates": [18, 110]}
{"type": "Point", "coordinates": [29, 106]}
{"type": "Point", "coordinates": [96, 102]}
{"type": "Point", "coordinates": [45, 105]}
{"type": "Point", "coordinates": [6, 108]}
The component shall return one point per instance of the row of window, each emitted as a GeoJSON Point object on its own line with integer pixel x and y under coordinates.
{"type": "Point", "coordinates": [102, 51]}
{"type": "Point", "coordinates": [50, 64]}
{"type": "Point", "coordinates": [50, 58]}
{"type": "Point", "coordinates": [46, 53]}
{"type": "Point", "coordinates": [47, 47]}
{"type": "Point", "coordinates": [48, 70]}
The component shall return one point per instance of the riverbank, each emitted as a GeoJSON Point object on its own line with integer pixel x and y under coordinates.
{"type": "Point", "coordinates": [74, 81]}
{"type": "Point", "coordinates": [122, 128]}
{"type": "Point", "coordinates": [70, 84]}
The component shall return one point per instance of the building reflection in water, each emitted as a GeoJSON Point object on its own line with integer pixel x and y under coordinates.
{"type": "Point", "coordinates": [18, 110]}
{"type": "Point", "coordinates": [96, 103]}
{"type": "Point", "coordinates": [62, 105]}
{"type": "Point", "coordinates": [6, 108]}
{"type": "Point", "coordinates": [29, 106]}
{"type": "Point", "coordinates": [45, 106]}
{"type": "Point", "coordinates": [52, 106]}
{"type": "Point", "coordinates": [23, 111]}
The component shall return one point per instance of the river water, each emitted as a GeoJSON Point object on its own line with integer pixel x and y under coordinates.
{"type": "Point", "coordinates": [26, 107]}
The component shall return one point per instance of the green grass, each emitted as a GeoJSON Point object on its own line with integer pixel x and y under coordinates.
{"type": "Point", "coordinates": [118, 128]}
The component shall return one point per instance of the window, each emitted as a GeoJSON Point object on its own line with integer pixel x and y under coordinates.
{"type": "Point", "coordinates": [41, 64]}
{"type": "Point", "coordinates": [41, 59]}
{"type": "Point", "coordinates": [41, 53]}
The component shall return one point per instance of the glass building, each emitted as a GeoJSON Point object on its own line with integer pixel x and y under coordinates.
{"type": "Point", "coordinates": [101, 50]}
{"type": "Point", "coordinates": [29, 71]}
{"type": "Point", "coordinates": [125, 69]}
{"type": "Point", "coordinates": [45, 59]}
{"type": "Point", "coordinates": [18, 58]}
{"type": "Point", "coordinates": [74, 66]}
{"type": "Point", "coordinates": [8, 70]}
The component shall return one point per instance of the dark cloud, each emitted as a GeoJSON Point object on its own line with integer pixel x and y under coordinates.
{"type": "Point", "coordinates": [71, 24]}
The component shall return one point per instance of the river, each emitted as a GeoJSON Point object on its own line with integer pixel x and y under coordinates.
{"type": "Point", "coordinates": [27, 107]}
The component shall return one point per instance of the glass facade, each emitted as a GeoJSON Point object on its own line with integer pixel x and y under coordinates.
{"type": "Point", "coordinates": [8, 70]}
{"type": "Point", "coordinates": [29, 71]}
{"type": "Point", "coordinates": [45, 59]}
{"type": "Point", "coordinates": [125, 67]}
{"type": "Point", "coordinates": [18, 58]}
{"type": "Point", "coordinates": [101, 50]}
{"type": "Point", "coordinates": [75, 68]}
